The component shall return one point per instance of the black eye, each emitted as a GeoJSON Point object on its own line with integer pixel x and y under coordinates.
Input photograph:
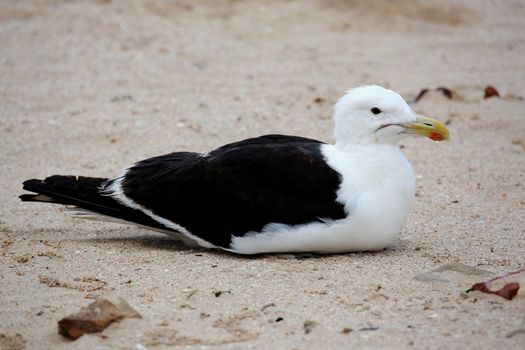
{"type": "Point", "coordinates": [375, 110]}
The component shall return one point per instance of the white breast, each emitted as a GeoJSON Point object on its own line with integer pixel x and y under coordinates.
{"type": "Point", "coordinates": [377, 191]}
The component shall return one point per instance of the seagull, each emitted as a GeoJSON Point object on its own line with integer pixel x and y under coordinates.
{"type": "Point", "coordinates": [272, 193]}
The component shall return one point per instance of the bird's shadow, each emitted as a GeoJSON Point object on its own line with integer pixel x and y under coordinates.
{"type": "Point", "coordinates": [156, 242]}
{"type": "Point", "coordinates": [142, 241]}
{"type": "Point", "coordinates": [152, 241]}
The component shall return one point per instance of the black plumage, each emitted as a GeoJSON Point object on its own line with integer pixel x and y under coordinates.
{"type": "Point", "coordinates": [84, 192]}
{"type": "Point", "coordinates": [235, 189]}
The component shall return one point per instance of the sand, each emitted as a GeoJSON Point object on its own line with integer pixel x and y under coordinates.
{"type": "Point", "coordinates": [88, 87]}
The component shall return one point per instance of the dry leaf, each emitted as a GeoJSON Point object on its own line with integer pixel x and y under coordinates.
{"type": "Point", "coordinates": [490, 91]}
{"type": "Point", "coordinates": [508, 291]}
{"type": "Point", "coordinates": [420, 95]}
{"type": "Point", "coordinates": [448, 93]}
{"type": "Point", "coordinates": [96, 316]}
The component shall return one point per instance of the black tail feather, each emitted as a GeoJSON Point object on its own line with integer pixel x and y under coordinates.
{"type": "Point", "coordinates": [85, 193]}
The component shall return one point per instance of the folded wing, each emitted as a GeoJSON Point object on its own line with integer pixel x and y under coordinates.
{"type": "Point", "coordinates": [237, 188]}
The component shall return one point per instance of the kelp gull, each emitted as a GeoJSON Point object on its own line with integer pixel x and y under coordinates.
{"type": "Point", "coordinates": [273, 193]}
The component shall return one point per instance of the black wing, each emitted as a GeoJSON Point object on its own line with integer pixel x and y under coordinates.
{"type": "Point", "coordinates": [84, 192]}
{"type": "Point", "coordinates": [239, 187]}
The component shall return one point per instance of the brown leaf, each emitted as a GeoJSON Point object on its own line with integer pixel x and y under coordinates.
{"type": "Point", "coordinates": [508, 291]}
{"type": "Point", "coordinates": [96, 317]}
{"type": "Point", "coordinates": [420, 95]}
{"type": "Point", "coordinates": [490, 91]}
{"type": "Point", "coordinates": [446, 92]}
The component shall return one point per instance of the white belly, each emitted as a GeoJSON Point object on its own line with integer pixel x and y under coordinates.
{"type": "Point", "coordinates": [377, 191]}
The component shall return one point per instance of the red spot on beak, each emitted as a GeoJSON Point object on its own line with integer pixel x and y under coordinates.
{"type": "Point", "coordinates": [436, 136]}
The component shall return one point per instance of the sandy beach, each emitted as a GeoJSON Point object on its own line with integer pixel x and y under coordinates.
{"type": "Point", "coordinates": [89, 87]}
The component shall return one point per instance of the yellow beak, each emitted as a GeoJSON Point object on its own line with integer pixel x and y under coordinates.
{"type": "Point", "coordinates": [431, 128]}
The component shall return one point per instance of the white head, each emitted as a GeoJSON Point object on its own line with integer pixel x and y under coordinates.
{"type": "Point", "coordinates": [375, 115]}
